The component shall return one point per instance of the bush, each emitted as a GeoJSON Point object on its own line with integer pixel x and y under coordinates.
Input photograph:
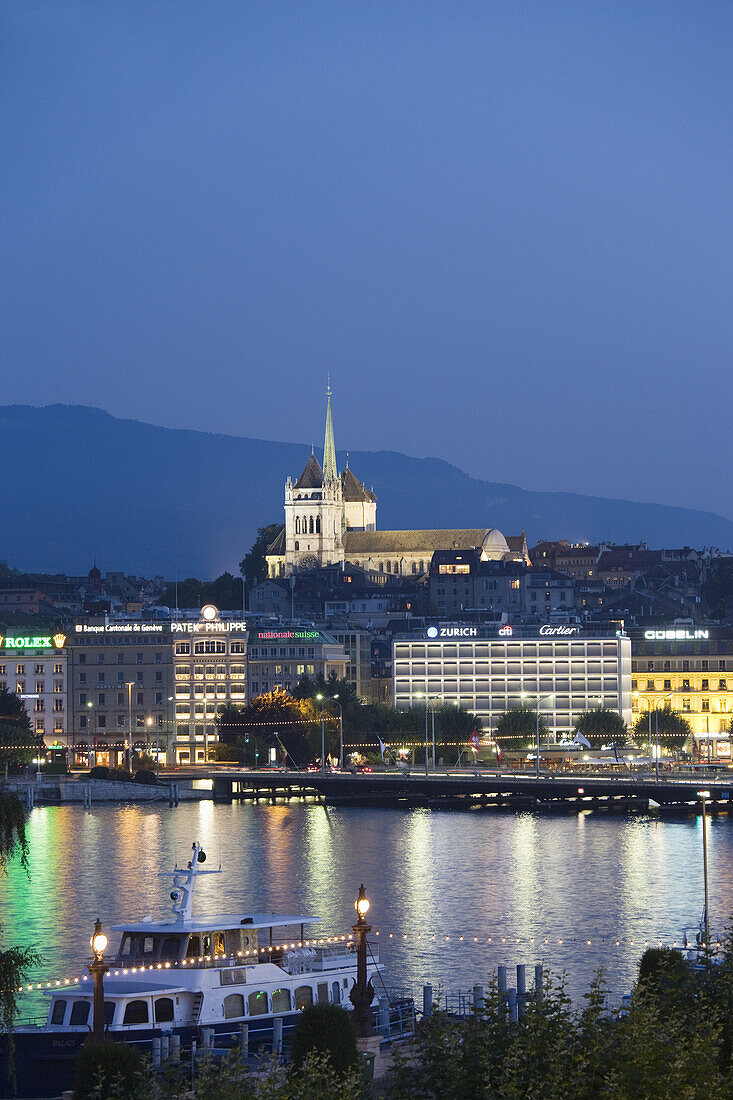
{"type": "Point", "coordinates": [142, 775]}
{"type": "Point", "coordinates": [113, 775]}
{"type": "Point", "coordinates": [329, 1030]}
{"type": "Point", "coordinates": [99, 772]}
{"type": "Point", "coordinates": [106, 1069]}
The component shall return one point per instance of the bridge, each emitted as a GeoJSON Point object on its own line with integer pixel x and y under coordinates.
{"type": "Point", "coordinates": [467, 790]}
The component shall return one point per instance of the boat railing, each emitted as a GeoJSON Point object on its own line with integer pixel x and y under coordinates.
{"type": "Point", "coordinates": [303, 960]}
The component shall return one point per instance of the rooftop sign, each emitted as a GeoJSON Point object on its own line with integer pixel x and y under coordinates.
{"type": "Point", "coordinates": [37, 641]}
{"type": "Point", "coordinates": [286, 635]}
{"type": "Point", "coordinates": [676, 635]}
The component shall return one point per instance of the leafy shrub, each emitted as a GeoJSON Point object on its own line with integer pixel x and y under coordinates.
{"type": "Point", "coordinates": [106, 1069]}
{"type": "Point", "coordinates": [99, 771]}
{"type": "Point", "coordinates": [327, 1029]}
{"type": "Point", "coordinates": [113, 775]}
{"type": "Point", "coordinates": [142, 775]}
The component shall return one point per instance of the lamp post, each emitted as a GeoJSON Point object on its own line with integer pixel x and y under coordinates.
{"type": "Point", "coordinates": [148, 723]}
{"type": "Point", "coordinates": [362, 992]}
{"type": "Point", "coordinates": [98, 968]}
{"type": "Point", "coordinates": [537, 728]}
{"type": "Point", "coordinates": [704, 796]}
{"type": "Point", "coordinates": [130, 685]}
{"type": "Point", "coordinates": [323, 734]}
{"type": "Point", "coordinates": [428, 703]}
{"type": "Point", "coordinates": [335, 699]}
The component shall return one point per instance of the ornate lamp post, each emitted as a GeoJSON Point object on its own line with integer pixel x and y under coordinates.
{"type": "Point", "coordinates": [362, 993]}
{"type": "Point", "coordinates": [98, 968]}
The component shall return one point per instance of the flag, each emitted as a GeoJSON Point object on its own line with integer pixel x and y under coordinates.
{"type": "Point", "coordinates": [580, 740]}
{"type": "Point", "coordinates": [382, 746]}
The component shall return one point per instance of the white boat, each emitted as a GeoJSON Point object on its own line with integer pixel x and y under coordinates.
{"type": "Point", "coordinates": [212, 979]}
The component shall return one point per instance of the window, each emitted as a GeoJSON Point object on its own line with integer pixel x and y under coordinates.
{"type": "Point", "coordinates": [686, 705]}
{"type": "Point", "coordinates": [233, 1006]}
{"type": "Point", "coordinates": [82, 678]}
{"type": "Point", "coordinates": [58, 687]}
{"type": "Point", "coordinates": [705, 685]}
{"type": "Point", "coordinates": [159, 658]}
{"type": "Point", "coordinates": [100, 679]}
{"type": "Point", "coordinates": [58, 1012]}
{"type": "Point", "coordinates": [138, 658]}
{"type": "Point", "coordinates": [39, 670]}
{"type": "Point", "coordinates": [79, 1013]}
{"type": "Point", "coordinates": [183, 648]}
{"type": "Point", "coordinates": [163, 1010]}
{"type": "Point", "coordinates": [722, 685]}
{"type": "Point", "coordinates": [258, 1003]}
{"type": "Point", "coordinates": [650, 685]}
{"type": "Point", "coordinates": [685, 685]}
{"type": "Point", "coordinates": [40, 706]}
{"type": "Point", "coordinates": [210, 645]}
{"type": "Point", "coordinates": [102, 721]}
{"type": "Point", "coordinates": [705, 705]}
{"type": "Point", "coordinates": [667, 685]}
{"type": "Point", "coordinates": [82, 658]}
{"type": "Point", "coordinates": [139, 698]}
{"type": "Point", "coordinates": [303, 997]}
{"type": "Point", "coordinates": [20, 670]}
{"type": "Point", "coordinates": [101, 699]}
{"type": "Point", "coordinates": [281, 1000]}
{"type": "Point", "coordinates": [136, 1012]}
{"type": "Point", "coordinates": [100, 658]}
{"type": "Point", "coordinates": [336, 993]}
{"type": "Point", "coordinates": [120, 658]}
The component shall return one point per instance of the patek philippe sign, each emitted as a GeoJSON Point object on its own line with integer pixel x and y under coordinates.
{"type": "Point", "coordinates": [225, 627]}
{"type": "Point", "coordinates": [674, 634]}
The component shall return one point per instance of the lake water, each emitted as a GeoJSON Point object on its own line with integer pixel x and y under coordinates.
{"type": "Point", "coordinates": [432, 876]}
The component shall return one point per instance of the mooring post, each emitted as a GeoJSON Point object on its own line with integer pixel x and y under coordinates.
{"type": "Point", "coordinates": [478, 998]}
{"type": "Point", "coordinates": [538, 981]}
{"type": "Point", "coordinates": [277, 1035]}
{"type": "Point", "coordinates": [244, 1043]}
{"type": "Point", "coordinates": [501, 974]}
{"type": "Point", "coordinates": [165, 1047]}
{"type": "Point", "coordinates": [522, 988]}
{"type": "Point", "coordinates": [511, 997]}
{"type": "Point", "coordinates": [427, 1000]}
{"type": "Point", "coordinates": [176, 1049]}
{"type": "Point", "coordinates": [156, 1051]}
{"type": "Point", "coordinates": [383, 1014]}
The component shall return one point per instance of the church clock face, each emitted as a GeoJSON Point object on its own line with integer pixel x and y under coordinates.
{"type": "Point", "coordinates": [308, 561]}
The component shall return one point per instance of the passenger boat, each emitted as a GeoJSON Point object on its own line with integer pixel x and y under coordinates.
{"type": "Point", "coordinates": [217, 980]}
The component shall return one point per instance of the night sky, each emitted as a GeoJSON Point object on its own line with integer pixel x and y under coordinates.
{"type": "Point", "coordinates": [505, 229]}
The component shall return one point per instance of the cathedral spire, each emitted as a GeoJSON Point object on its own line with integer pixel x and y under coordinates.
{"type": "Point", "coordinates": [330, 471]}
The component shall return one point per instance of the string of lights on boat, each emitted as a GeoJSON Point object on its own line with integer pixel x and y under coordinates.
{"type": "Point", "coordinates": [538, 942]}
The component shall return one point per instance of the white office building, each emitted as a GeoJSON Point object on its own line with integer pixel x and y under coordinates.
{"type": "Point", "coordinates": [488, 669]}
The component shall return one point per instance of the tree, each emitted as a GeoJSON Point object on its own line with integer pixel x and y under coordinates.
{"type": "Point", "coordinates": [273, 713]}
{"type": "Point", "coordinates": [517, 727]}
{"type": "Point", "coordinates": [225, 592]}
{"type": "Point", "coordinates": [18, 745]}
{"type": "Point", "coordinates": [253, 566]}
{"type": "Point", "coordinates": [328, 1029]}
{"type": "Point", "coordinates": [674, 729]}
{"type": "Point", "coordinates": [8, 571]}
{"type": "Point", "coordinates": [601, 726]}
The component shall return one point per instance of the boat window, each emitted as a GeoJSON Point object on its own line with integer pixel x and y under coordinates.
{"type": "Point", "coordinates": [258, 1003]}
{"type": "Point", "coordinates": [126, 946]}
{"type": "Point", "coordinates": [147, 945]}
{"type": "Point", "coordinates": [163, 1010]}
{"type": "Point", "coordinates": [194, 947]}
{"type": "Point", "coordinates": [136, 1012]}
{"type": "Point", "coordinates": [323, 993]}
{"type": "Point", "coordinates": [235, 976]}
{"type": "Point", "coordinates": [233, 1006]}
{"type": "Point", "coordinates": [206, 943]}
{"type": "Point", "coordinates": [281, 1000]}
{"type": "Point", "coordinates": [303, 997]}
{"type": "Point", "coordinates": [336, 993]}
{"type": "Point", "coordinates": [58, 1013]}
{"type": "Point", "coordinates": [109, 1012]}
{"type": "Point", "coordinates": [79, 1013]}
{"type": "Point", "coordinates": [170, 947]}
{"type": "Point", "coordinates": [218, 943]}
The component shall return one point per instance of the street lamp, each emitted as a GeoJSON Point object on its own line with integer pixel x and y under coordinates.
{"type": "Point", "coordinates": [704, 796]}
{"type": "Point", "coordinates": [323, 734]}
{"type": "Point", "coordinates": [98, 968]}
{"type": "Point", "coordinates": [335, 699]}
{"type": "Point", "coordinates": [130, 685]}
{"type": "Point", "coordinates": [362, 992]}
{"type": "Point", "coordinates": [429, 703]}
{"type": "Point", "coordinates": [539, 701]}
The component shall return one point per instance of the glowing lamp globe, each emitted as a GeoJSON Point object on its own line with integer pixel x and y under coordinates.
{"type": "Point", "coordinates": [362, 904]}
{"type": "Point", "coordinates": [98, 942]}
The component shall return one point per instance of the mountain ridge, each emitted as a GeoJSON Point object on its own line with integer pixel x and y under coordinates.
{"type": "Point", "coordinates": [182, 501]}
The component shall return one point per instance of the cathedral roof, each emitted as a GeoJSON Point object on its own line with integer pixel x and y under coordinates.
{"type": "Point", "coordinates": [312, 476]}
{"type": "Point", "coordinates": [386, 542]}
{"type": "Point", "coordinates": [353, 488]}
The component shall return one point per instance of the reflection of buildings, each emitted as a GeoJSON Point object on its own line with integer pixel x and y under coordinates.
{"type": "Point", "coordinates": [488, 669]}
{"type": "Point", "coordinates": [691, 669]}
{"type": "Point", "coordinates": [331, 518]}
{"type": "Point", "coordinates": [33, 666]}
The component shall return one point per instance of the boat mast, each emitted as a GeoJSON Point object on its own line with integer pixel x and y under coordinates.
{"type": "Point", "coordinates": [184, 880]}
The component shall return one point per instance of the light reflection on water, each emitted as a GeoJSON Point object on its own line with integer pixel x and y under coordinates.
{"type": "Point", "coordinates": [426, 871]}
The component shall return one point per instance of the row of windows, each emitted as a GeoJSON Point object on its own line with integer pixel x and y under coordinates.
{"type": "Point", "coordinates": [262, 652]}
{"type": "Point", "coordinates": [140, 721]}
{"type": "Point", "coordinates": [304, 525]}
{"type": "Point", "coordinates": [102, 657]}
{"type": "Point", "coordinates": [684, 666]}
{"type": "Point", "coordinates": [40, 725]}
{"type": "Point", "coordinates": [38, 669]}
{"type": "Point", "coordinates": [672, 648]}
{"type": "Point", "coordinates": [210, 645]}
{"type": "Point", "coordinates": [121, 698]}
{"type": "Point", "coordinates": [102, 679]}
{"type": "Point", "coordinates": [183, 672]}
{"type": "Point", "coordinates": [722, 685]}
{"type": "Point", "coordinates": [575, 650]}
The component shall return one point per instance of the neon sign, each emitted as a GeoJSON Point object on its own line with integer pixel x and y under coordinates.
{"type": "Point", "coordinates": [676, 635]}
{"type": "Point", "coordinates": [42, 642]}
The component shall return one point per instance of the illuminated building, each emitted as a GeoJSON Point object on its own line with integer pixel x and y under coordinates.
{"type": "Point", "coordinates": [34, 667]}
{"type": "Point", "coordinates": [690, 668]}
{"type": "Point", "coordinates": [279, 655]}
{"type": "Point", "coordinates": [489, 669]}
{"type": "Point", "coordinates": [331, 518]}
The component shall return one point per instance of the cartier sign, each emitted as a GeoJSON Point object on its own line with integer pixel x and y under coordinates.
{"type": "Point", "coordinates": [559, 631]}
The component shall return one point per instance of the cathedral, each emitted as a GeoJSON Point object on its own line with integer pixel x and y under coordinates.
{"type": "Point", "coordinates": [331, 519]}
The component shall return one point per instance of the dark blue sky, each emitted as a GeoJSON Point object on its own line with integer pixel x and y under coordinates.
{"type": "Point", "coordinates": [504, 228]}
